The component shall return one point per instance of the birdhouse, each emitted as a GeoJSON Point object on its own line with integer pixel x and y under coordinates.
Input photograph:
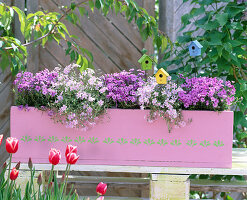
{"type": "Point", "coordinates": [195, 48]}
{"type": "Point", "coordinates": [161, 76]}
{"type": "Point", "coordinates": [146, 62]}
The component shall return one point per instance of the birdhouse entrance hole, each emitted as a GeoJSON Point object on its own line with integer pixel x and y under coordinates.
{"type": "Point", "coordinates": [161, 75]}
{"type": "Point", "coordinates": [193, 47]}
{"type": "Point", "coordinates": [146, 62]}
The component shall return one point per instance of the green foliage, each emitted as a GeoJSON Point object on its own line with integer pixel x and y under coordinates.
{"type": "Point", "coordinates": [222, 32]}
{"type": "Point", "coordinates": [11, 191]}
{"type": "Point", "coordinates": [40, 27]}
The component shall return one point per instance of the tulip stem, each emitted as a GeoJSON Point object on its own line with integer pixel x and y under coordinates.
{"type": "Point", "coordinates": [7, 189]}
{"type": "Point", "coordinates": [63, 183]}
{"type": "Point", "coordinates": [10, 159]}
{"type": "Point", "coordinates": [51, 175]}
{"type": "Point", "coordinates": [39, 197]}
{"type": "Point", "coordinates": [11, 188]}
{"type": "Point", "coordinates": [67, 177]}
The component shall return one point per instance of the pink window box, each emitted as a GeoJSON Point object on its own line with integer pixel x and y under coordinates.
{"type": "Point", "coordinates": [124, 137]}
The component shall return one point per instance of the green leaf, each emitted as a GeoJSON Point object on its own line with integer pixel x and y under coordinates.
{"type": "Point", "coordinates": [235, 43]}
{"type": "Point", "coordinates": [222, 18]}
{"type": "Point", "coordinates": [206, 2]}
{"type": "Point", "coordinates": [82, 11]}
{"type": "Point", "coordinates": [72, 56]}
{"type": "Point", "coordinates": [185, 19]}
{"type": "Point", "coordinates": [117, 6]}
{"type": "Point", "coordinates": [91, 5]}
{"type": "Point", "coordinates": [4, 61]}
{"type": "Point", "coordinates": [83, 62]}
{"type": "Point", "coordinates": [72, 6]}
{"type": "Point", "coordinates": [139, 22]}
{"type": "Point", "coordinates": [22, 18]}
{"type": "Point", "coordinates": [184, 39]}
{"type": "Point", "coordinates": [197, 11]}
{"type": "Point", "coordinates": [210, 25]}
{"type": "Point", "coordinates": [144, 34]}
{"type": "Point", "coordinates": [97, 4]}
{"type": "Point", "coordinates": [164, 44]}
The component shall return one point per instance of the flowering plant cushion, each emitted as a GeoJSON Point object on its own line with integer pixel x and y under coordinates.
{"type": "Point", "coordinates": [124, 137]}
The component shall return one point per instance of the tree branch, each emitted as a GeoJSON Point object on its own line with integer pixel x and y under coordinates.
{"type": "Point", "coordinates": [51, 31]}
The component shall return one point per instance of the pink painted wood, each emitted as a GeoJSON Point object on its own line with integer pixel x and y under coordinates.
{"type": "Point", "coordinates": [206, 142]}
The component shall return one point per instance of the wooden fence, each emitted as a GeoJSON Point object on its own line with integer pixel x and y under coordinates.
{"type": "Point", "coordinates": [115, 44]}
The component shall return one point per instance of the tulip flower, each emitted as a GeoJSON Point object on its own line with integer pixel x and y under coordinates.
{"type": "Point", "coordinates": [54, 156]}
{"type": "Point", "coordinates": [101, 188]}
{"type": "Point", "coordinates": [30, 164]}
{"type": "Point", "coordinates": [72, 158]}
{"type": "Point", "coordinates": [70, 149]}
{"type": "Point", "coordinates": [4, 165]}
{"type": "Point", "coordinates": [39, 181]}
{"type": "Point", "coordinates": [12, 145]}
{"type": "Point", "coordinates": [1, 139]}
{"type": "Point", "coordinates": [14, 174]}
{"type": "Point", "coordinates": [17, 166]}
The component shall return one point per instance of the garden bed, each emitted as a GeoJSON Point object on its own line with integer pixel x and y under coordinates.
{"type": "Point", "coordinates": [124, 137]}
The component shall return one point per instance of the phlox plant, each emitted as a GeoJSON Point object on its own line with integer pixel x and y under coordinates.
{"type": "Point", "coordinates": [122, 88]}
{"type": "Point", "coordinates": [162, 100]}
{"type": "Point", "coordinates": [80, 98]}
{"type": "Point", "coordinates": [35, 89]}
{"type": "Point", "coordinates": [70, 97]}
{"type": "Point", "coordinates": [205, 93]}
{"type": "Point", "coordinates": [53, 190]}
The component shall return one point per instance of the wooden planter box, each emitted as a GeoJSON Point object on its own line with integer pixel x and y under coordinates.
{"type": "Point", "coordinates": [126, 138]}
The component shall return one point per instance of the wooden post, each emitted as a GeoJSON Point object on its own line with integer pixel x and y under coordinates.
{"type": "Point", "coordinates": [169, 187]}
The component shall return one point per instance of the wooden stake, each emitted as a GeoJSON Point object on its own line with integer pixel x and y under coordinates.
{"type": "Point", "coordinates": [169, 187]}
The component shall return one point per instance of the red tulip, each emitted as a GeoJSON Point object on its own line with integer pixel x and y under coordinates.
{"type": "Point", "coordinates": [101, 188]}
{"type": "Point", "coordinates": [72, 158]}
{"type": "Point", "coordinates": [14, 174]}
{"type": "Point", "coordinates": [70, 149]}
{"type": "Point", "coordinates": [12, 145]}
{"type": "Point", "coordinates": [54, 156]}
{"type": "Point", "coordinates": [1, 139]}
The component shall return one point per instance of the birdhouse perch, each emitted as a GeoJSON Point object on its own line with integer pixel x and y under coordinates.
{"type": "Point", "coordinates": [161, 76]}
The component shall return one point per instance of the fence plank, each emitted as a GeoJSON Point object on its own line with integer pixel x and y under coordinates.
{"type": "Point", "coordinates": [129, 51]}
{"type": "Point", "coordinates": [17, 31]}
{"type": "Point", "coordinates": [149, 5]}
{"type": "Point", "coordinates": [47, 60]}
{"type": "Point", "coordinates": [33, 52]}
{"type": "Point", "coordinates": [100, 59]}
{"type": "Point", "coordinates": [6, 97]}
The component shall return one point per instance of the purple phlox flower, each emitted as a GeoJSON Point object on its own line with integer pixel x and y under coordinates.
{"type": "Point", "coordinates": [50, 113]}
{"type": "Point", "coordinates": [20, 107]}
{"type": "Point", "coordinates": [27, 108]}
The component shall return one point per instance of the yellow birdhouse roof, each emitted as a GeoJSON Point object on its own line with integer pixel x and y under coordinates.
{"type": "Point", "coordinates": [162, 71]}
